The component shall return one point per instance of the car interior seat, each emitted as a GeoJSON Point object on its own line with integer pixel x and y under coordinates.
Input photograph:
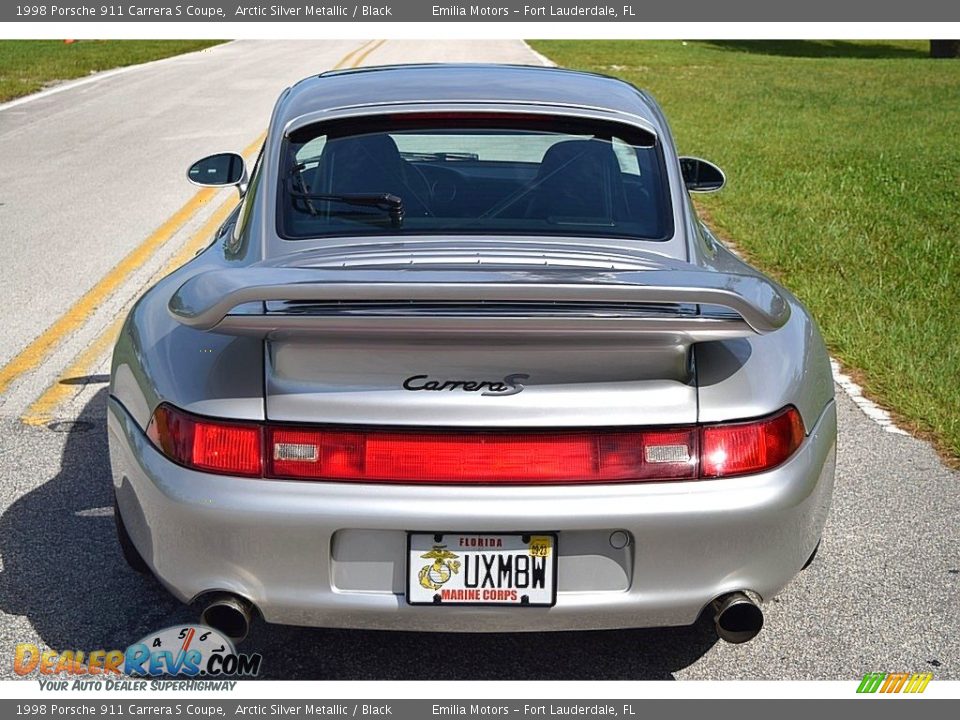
{"type": "Point", "coordinates": [579, 181]}
{"type": "Point", "coordinates": [370, 164]}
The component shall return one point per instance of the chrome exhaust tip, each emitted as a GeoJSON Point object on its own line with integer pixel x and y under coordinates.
{"type": "Point", "coordinates": [736, 617]}
{"type": "Point", "coordinates": [229, 615]}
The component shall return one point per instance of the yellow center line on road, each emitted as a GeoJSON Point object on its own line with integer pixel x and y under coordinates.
{"type": "Point", "coordinates": [43, 408]}
{"type": "Point", "coordinates": [363, 56]}
{"type": "Point", "coordinates": [41, 347]}
{"type": "Point", "coordinates": [37, 351]}
{"type": "Point", "coordinates": [41, 412]}
{"type": "Point", "coordinates": [347, 60]}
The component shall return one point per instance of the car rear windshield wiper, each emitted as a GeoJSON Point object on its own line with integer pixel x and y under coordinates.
{"type": "Point", "coordinates": [393, 204]}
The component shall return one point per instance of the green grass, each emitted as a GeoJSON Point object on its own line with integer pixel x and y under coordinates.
{"type": "Point", "coordinates": [843, 163]}
{"type": "Point", "coordinates": [30, 65]}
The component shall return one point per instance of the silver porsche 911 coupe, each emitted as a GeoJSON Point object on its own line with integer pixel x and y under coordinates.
{"type": "Point", "coordinates": [464, 359]}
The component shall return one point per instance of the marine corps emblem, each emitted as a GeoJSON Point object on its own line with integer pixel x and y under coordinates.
{"type": "Point", "coordinates": [444, 565]}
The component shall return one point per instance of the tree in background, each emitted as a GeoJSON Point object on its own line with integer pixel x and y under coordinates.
{"type": "Point", "coordinates": [944, 48]}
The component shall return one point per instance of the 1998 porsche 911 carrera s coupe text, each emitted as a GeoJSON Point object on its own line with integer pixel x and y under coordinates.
{"type": "Point", "coordinates": [464, 359]}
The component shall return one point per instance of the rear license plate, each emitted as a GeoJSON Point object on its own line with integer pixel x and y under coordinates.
{"type": "Point", "coordinates": [482, 569]}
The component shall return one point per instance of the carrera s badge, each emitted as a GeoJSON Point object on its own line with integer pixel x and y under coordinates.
{"type": "Point", "coordinates": [510, 385]}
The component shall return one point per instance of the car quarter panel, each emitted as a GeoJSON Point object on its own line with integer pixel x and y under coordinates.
{"type": "Point", "coordinates": [745, 378]}
{"type": "Point", "coordinates": [158, 359]}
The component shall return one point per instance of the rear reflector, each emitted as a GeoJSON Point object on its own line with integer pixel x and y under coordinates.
{"type": "Point", "coordinates": [298, 452]}
{"type": "Point", "coordinates": [474, 456]}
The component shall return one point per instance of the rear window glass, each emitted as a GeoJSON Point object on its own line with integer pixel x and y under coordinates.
{"type": "Point", "coordinates": [473, 174]}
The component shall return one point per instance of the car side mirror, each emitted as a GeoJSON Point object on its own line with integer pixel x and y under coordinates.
{"type": "Point", "coordinates": [701, 175]}
{"type": "Point", "coordinates": [220, 170]}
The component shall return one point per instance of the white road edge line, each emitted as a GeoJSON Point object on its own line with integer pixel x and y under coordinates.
{"type": "Point", "coordinates": [873, 411]}
{"type": "Point", "coordinates": [96, 512]}
{"type": "Point", "coordinates": [96, 77]}
{"type": "Point", "coordinates": [542, 59]}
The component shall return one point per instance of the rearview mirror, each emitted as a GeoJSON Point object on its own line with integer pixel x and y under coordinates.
{"type": "Point", "coordinates": [220, 170]}
{"type": "Point", "coordinates": [701, 175]}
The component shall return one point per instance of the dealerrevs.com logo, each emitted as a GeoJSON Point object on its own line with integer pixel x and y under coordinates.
{"type": "Point", "coordinates": [183, 651]}
{"type": "Point", "coordinates": [191, 651]}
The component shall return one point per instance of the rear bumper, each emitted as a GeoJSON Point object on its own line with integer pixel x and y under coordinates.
{"type": "Point", "coordinates": [333, 554]}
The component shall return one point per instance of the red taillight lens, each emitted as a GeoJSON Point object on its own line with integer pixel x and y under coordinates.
{"type": "Point", "coordinates": [476, 456]}
{"type": "Point", "coordinates": [742, 448]}
{"type": "Point", "coordinates": [203, 444]}
{"type": "Point", "coordinates": [481, 457]}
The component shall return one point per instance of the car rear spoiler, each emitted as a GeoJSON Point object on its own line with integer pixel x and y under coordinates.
{"type": "Point", "coordinates": [695, 304]}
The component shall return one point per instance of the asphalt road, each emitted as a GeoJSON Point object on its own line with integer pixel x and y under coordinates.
{"type": "Point", "coordinates": [91, 172]}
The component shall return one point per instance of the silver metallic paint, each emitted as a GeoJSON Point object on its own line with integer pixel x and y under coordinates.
{"type": "Point", "coordinates": [205, 300]}
{"type": "Point", "coordinates": [272, 541]}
